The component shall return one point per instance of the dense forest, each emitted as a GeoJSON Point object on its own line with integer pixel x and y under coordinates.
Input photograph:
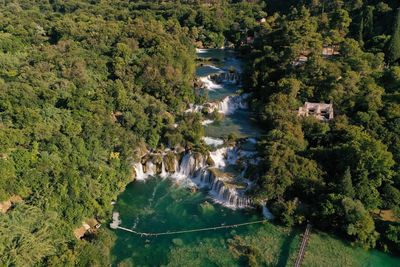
{"type": "Point", "coordinates": [85, 85]}
{"type": "Point", "coordinates": [345, 173]}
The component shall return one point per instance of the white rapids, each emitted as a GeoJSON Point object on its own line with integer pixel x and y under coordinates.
{"type": "Point", "coordinates": [209, 84]}
{"type": "Point", "coordinates": [207, 122]}
{"type": "Point", "coordinates": [201, 50]}
{"type": "Point", "coordinates": [213, 141]}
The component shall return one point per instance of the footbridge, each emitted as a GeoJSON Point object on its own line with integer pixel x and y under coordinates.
{"type": "Point", "coordinates": [147, 234]}
{"type": "Point", "coordinates": [303, 246]}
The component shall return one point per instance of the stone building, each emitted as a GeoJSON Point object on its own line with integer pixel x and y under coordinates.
{"type": "Point", "coordinates": [321, 111]}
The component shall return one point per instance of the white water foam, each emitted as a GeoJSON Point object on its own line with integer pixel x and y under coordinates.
{"type": "Point", "coordinates": [213, 141]}
{"type": "Point", "coordinates": [140, 175]}
{"type": "Point", "coordinates": [194, 108]}
{"type": "Point", "coordinates": [206, 122]}
{"type": "Point", "coordinates": [163, 173]}
{"type": "Point", "coordinates": [151, 168]}
{"type": "Point", "coordinates": [213, 67]}
{"type": "Point", "coordinates": [209, 84]}
{"type": "Point", "coordinates": [201, 50]}
{"type": "Point", "coordinates": [218, 157]}
{"type": "Point", "coordinates": [231, 103]}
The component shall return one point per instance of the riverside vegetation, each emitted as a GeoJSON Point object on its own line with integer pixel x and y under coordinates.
{"type": "Point", "coordinates": [84, 84]}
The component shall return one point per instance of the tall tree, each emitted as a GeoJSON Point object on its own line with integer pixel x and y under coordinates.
{"type": "Point", "coordinates": [346, 184]}
{"type": "Point", "coordinates": [393, 53]}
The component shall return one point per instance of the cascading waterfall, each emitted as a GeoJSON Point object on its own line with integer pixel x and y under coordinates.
{"type": "Point", "coordinates": [222, 194]}
{"type": "Point", "coordinates": [218, 157]}
{"type": "Point", "coordinates": [213, 141]}
{"type": "Point", "coordinates": [209, 84]}
{"type": "Point", "coordinates": [206, 122]}
{"type": "Point", "coordinates": [186, 165]}
{"type": "Point", "coordinates": [163, 173]}
{"type": "Point", "coordinates": [225, 77]}
{"type": "Point", "coordinates": [213, 67]}
{"type": "Point", "coordinates": [194, 170]}
{"type": "Point", "coordinates": [194, 108]}
{"type": "Point", "coordinates": [140, 175]}
{"type": "Point", "coordinates": [226, 106]}
{"type": "Point", "coordinates": [232, 103]}
{"type": "Point", "coordinates": [224, 156]}
{"type": "Point", "coordinates": [151, 168]}
{"type": "Point", "coordinates": [232, 155]}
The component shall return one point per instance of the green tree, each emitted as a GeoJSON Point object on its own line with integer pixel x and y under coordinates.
{"type": "Point", "coordinates": [346, 184]}
{"type": "Point", "coordinates": [359, 223]}
{"type": "Point", "coordinates": [393, 51]}
{"type": "Point", "coordinates": [28, 235]}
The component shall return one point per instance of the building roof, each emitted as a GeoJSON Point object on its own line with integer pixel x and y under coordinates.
{"type": "Point", "coordinates": [7, 204]}
{"type": "Point", "coordinates": [321, 111]}
{"type": "Point", "coordinates": [86, 226]}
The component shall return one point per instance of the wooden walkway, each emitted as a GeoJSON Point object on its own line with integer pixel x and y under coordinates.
{"type": "Point", "coordinates": [146, 234]}
{"type": "Point", "coordinates": [303, 246]}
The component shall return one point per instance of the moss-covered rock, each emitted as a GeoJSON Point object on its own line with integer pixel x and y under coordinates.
{"type": "Point", "coordinates": [210, 162]}
{"type": "Point", "coordinates": [170, 161]}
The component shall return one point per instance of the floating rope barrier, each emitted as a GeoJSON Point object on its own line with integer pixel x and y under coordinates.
{"type": "Point", "coordinates": [189, 231]}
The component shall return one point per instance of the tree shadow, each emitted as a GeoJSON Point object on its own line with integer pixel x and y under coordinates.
{"type": "Point", "coordinates": [285, 249]}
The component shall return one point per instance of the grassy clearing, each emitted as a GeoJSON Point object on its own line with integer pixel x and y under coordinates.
{"type": "Point", "coordinates": [325, 250]}
{"type": "Point", "coordinates": [268, 245]}
{"type": "Point", "coordinates": [272, 245]}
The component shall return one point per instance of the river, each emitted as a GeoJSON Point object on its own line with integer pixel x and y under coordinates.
{"type": "Point", "coordinates": [163, 198]}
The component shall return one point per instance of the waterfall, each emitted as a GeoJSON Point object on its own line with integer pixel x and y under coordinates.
{"type": "Point", "coordinates": [163, 173]}
{"type": "Point", "coordinates": [194, 108]}
{"type": "Point", "coordinates": [213, 141]}
{"type": "Point", "coordinates": [226, 106]}
{"type": "Point", "coordinates": [209, 84]}
{"type": "Point", "coordinates": [213, 67]}
{"type": "Point", "coordinates": [218, 157]}
{"type": "Point", "coordinates": [232, 155]}
{"type": "Point", "coordinates": [206, 122]}
{"type": "Point", "coordinates": [225, 77]}
{"type": "Point", "coordinates": [151, 168]}
{"type": "Point", "coordinates": [185, 168]}
{"type": "Point", "coordinates": [194, 169]}
{"type": "Point", "coordinates": [266, 213]}
{"type": "Point", "coordinates": [140, 175]}
{"type": "Point", "coordinates": [186, 165]}
{"type": "Point", "coordinates": [201, 50]}
{"type": "Point", "coordinates": [231, 103]}
{"type": "Point", "coordinates": [225, 156]}
{"type": "Point", "coordinates": [229, 197]}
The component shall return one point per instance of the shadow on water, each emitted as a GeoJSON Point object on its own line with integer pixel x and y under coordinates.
{"type": "Point", "coordinates": [286, 249]}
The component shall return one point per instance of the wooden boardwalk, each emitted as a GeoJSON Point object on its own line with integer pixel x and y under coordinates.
{"type": "Point", "coordinates": [303, 246]}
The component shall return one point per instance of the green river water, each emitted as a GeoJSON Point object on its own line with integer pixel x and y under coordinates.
{"type": "Point", "coordinates": [160, 205]}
